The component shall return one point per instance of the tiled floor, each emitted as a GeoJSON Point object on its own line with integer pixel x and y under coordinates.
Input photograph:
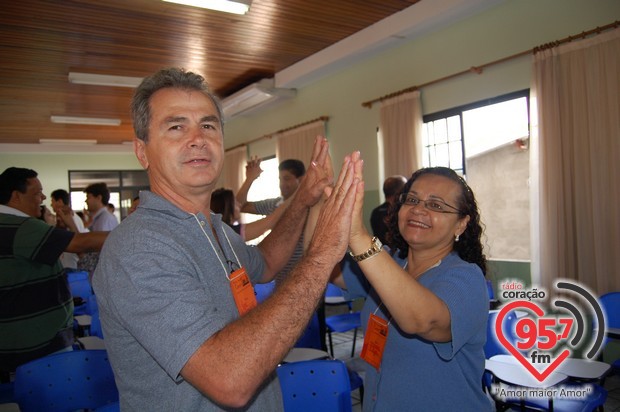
{"type": "Point", "coordinates": [342, 350]}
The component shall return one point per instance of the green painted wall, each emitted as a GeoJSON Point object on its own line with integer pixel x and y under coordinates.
{"type": "Point", "coordinates": [498, 271]}
{"type": "Point", "coordinates": [53, 169]}
{"type": "Point", "coordinates": [506, 29]}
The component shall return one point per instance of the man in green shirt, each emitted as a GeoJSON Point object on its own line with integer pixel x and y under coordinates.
{"type": "Point", "coordinates": [36, 306]}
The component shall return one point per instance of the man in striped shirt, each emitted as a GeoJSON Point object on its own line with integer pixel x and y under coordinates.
{"type": "Point", "coordinates": [290, 173]}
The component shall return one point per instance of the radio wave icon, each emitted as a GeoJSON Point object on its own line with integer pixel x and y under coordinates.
{"type": "Point", "coordinates": [598, 312]}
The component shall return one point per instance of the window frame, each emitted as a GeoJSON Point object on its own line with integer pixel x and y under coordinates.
{"type": "Point", "coordinates": [458, 111]}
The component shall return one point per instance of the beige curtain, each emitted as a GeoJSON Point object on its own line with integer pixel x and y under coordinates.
{"type": "Point", "coordinates": [576, 141]}
{"type": "Point", "coordinates": [233, 173]}
{"type": "Point", "coordinates": [401, 134]}
{"type": "Point", "coordinates": [299, 142]}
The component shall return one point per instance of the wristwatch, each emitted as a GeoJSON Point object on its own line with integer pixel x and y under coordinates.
{"type": "Point", "coordinates": [375, 248]}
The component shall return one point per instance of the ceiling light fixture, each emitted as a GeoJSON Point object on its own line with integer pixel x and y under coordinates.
{"type": "Point", "coordinates": [252, 97]}
{"type": "Point", "coordinates": [104, 80]}
{"type": "Point", "coordinates": [228, 6]}
{"type": "Point", "coordinates": [68, 141]}
{"type": "Point", "coordinates": [95, 121]}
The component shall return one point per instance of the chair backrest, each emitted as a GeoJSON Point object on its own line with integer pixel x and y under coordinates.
{"type": "Point", "coordinates": [490, 290]}
{"type": "Point", "coordinates": [492, 346]}
{"type": "Point", "coordinates": [79, 284]}
{"type": "Point", "coordinates": [95, 325]}
{"type": "Point", "coordinates": [315, 385]}
{"type": "Point", "coordinates": [111, 407]}
{"type": "Point", "coordinates": [66, 381]}
{"type": "Point", "coordinates": [335, 296]}
{"type": "Point", "coordinates": [611, 306]}
{"type": "Point", "coordinates": [80, 287]}
{"type": "Point", "coordinates": [264, 290]}
{"type": "Point", "coordinates": [333, 290]}
{"type": "Point", "coordinates": [312, 336]}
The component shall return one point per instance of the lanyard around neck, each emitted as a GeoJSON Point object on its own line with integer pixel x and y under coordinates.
{"type": "Point", "coordinates": [215, 250]}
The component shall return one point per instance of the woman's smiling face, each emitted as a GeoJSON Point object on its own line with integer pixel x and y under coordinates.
{"type": "Point", "coordinates": [425, 229]}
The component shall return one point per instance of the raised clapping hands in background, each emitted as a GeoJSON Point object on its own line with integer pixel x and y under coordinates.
{"type": "Point", "coordinates": [252, 168]}
{"type": "Point", "coordinates": [318, 176]}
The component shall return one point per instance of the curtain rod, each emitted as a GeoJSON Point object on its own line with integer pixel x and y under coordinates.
{"type": "Point", "coordinates": [270, 135]}
{"type": "Point", "coordinates": [479, 69]}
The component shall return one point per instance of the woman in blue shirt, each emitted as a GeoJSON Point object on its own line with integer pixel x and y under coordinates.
{"type": "Point", "coordinates": [426, 301]}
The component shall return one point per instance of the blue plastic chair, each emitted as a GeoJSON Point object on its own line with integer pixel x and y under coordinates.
{"type": "Point", "coordinates": [80, 287]}
{"type": "Point", "coordinates": [6, 393]}
{"type": "Point", "coordinates": [312, 339]}
{"type": "Point", "coordinates": [492, 346]}
{"type": "Point", "coordinates": [490, 290]}
{"type": "Point", "coordinates": [316, 385]}
{"type": "Point", "coordinates": [95, 326]}
{"type": "Point", "coordinates": [66, 381]}
{"type": "Point", "coordinates": [611, 306]}
{"type": "Point", "coordinates": [343, 322]}
{"type": "Point", "coordinates": [111, 407]}
{"type": "Point", "coordinates": [264, 290]}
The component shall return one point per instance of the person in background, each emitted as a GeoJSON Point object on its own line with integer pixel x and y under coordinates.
{"type": "Point", "coordinates": [428, 296]}
{"type": "Point", "coordinates": [291, 172]}
{"type": "Point", "coordinates": [174, 283]}
{"type": "Point", "coordinates": [392, 187]}
{"type": "Point", "coordinates": [223, 202]}
{"type": "Point", "coordinates": [82, 216]}
{"type": "Point", "coordinates": [47, 216]}
{"type": "Point", "coordinates": [135, 202]}
{"type": "Point", "coordinates": [100, 219]}
{"type": "Point", "coordinates": [111, 208]}
{"type": "Point", "coordinates": [36, 306]}
{"type": "Point", "coordinates": [97, 198]}
{"type": "Point", "coordinates": [61, 203]}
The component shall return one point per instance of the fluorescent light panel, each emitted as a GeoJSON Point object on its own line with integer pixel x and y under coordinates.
{"type": "Point", "coordinates": [68, 141]}
{"type": "Point", "coordinates": [96, 121]}
{"type": "Point", "coordinates": [104, 80]}
{"type": "Point", "coordinates": [228, 6]}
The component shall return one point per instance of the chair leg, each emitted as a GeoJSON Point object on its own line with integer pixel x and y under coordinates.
{"type": "Point", "coordinates": [361, 391]}
{"type": "Point", "coordinates": [331, 345]}
{"type": "Point", "coordinates": [354, 339]}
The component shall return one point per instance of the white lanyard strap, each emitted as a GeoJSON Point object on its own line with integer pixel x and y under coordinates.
{"type": "Point", "coordinates": [215, 250]}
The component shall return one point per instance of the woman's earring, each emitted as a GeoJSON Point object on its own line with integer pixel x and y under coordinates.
{"type": "Point", "coordinates": [456, 238]}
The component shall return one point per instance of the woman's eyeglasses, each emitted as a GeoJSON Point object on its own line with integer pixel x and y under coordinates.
{"type": "Point", "coordinates": [431, 204]}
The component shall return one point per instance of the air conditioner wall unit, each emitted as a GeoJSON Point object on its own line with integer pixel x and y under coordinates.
{"type": "Point", "coordinates": [254, 96]}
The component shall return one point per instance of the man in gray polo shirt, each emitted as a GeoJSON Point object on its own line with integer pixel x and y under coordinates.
{"type": "Point", "coordinates": [169, 277]}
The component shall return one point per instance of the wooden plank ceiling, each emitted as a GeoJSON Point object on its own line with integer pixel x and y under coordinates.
{"type": "Point", "coordinates": [41, 41]}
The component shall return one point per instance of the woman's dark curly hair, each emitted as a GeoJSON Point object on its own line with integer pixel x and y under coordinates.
{"type": "Point", "coordinates": [469, 246]}
{"type": "Point", "coordinates": [223, 202]}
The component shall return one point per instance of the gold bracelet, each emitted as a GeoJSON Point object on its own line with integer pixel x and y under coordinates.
{"type": "Point", "coordinates": [375, 248]}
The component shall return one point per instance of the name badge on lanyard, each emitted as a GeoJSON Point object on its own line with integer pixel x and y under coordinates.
{"type": "Point", "coordinates": [242, 291]}
{"type": "Point", "coordinates": [374, 341]}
